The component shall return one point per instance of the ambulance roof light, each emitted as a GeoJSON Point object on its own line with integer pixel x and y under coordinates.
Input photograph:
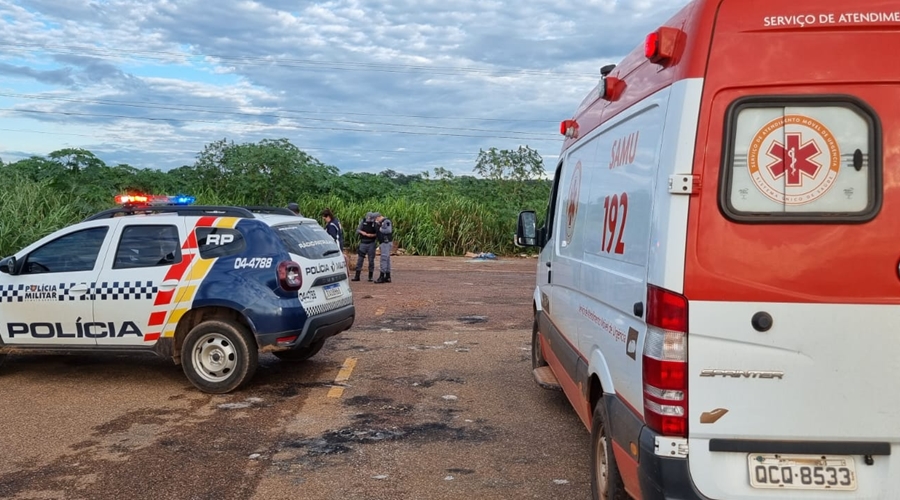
{"type": "Point", "coordinates": [569, 128]}
{"type": "Point", "coordinates": [660, 46]}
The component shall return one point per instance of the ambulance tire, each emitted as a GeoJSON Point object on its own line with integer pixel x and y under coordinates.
{"type": "Point", "coordinates": [219, 355]}
{"type": "Point", "coordinates": [606, 483]}
{"type": "Point", "coordinates": [537, 356]}
{"type": "Point", "coordinates": [301, 354]}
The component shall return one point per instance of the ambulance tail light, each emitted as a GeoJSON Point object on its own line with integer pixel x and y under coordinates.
{"type": "Point", "coordinates": [665, 363]}
{"type": "Point", "coordinates": [290, 276]}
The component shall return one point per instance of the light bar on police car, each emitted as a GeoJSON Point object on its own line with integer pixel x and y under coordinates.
{"type": "Point", "coordinates": [143, 199]}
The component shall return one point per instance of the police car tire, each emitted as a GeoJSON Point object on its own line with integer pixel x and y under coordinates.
{"type": "Point", "coordinates": [615, 490]}
{"type": "Point", "coordinates": [537, 356]}
{"type": "Point", "coordinates": [301, 354]}
{"type": "Point", "coordinates": [236, 342]}
{"type": "Point", "coordinates": [2, 359]}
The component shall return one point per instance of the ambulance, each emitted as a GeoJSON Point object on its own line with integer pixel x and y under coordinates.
{"type": "Point", "coordinates": [718, 286]}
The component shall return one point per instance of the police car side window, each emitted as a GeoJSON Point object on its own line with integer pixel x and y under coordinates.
{"type": "Point", "coordinates": [148, 246]}
{"type": "Point", "coordinates": [73, 252]}
{"type": "Point", "coordinates": [219, 242]}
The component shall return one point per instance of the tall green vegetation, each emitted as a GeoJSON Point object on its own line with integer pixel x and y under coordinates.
{"type": "Point", "coordinates": [434, 213]}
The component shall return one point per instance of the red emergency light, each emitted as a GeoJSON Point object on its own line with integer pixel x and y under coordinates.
{"type": "Point", "coordinates": [660, 46]}
{"type": "Point", "coordinates": [145, 199]}
{"type": "Point", "coordinates": [569, 128]}
{"type": "Point", "coordinates": [131, 199]}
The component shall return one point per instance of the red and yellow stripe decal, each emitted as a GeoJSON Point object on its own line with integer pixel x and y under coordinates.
{"type": "Point", "coordinates": [189, 273]}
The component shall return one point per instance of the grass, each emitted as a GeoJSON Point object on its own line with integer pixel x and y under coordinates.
{"type": "Point", "coordinates": [30, 210]}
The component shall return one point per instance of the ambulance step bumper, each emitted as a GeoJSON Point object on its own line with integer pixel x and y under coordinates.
{"type": "Point", "coordinates": [545, 378]}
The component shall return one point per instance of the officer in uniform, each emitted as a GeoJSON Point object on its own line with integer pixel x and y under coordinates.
{"type": "Point", "coordinates": [368, 233]}
{"type": "Point", "coordinates": [385, 241]}
{"type": "Point", "coordinates": [334, 228]}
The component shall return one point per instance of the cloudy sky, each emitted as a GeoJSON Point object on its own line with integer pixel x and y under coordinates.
{"type": "Point", "coordinates": [364, 85]}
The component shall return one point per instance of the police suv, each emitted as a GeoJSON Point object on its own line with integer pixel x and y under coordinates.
{"type": "Point", "coordinates": [209, 286]}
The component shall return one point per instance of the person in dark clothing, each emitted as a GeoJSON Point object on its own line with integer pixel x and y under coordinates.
{"type": "Point", "coordinates": [335, 230]}
{"type": "Point", "coordinates": [333, 227]}
{"type": "Point", "coordinates": [385, 242]}
{"type": "Point", "coordinates": [368, 232]}
{"type": "Point", "coordinates": [293, 207]}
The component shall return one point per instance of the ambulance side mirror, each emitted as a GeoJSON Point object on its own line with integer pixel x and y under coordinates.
{"type": "Point", "coordinates": [526, 230]}
{"type": "Point", "coordinates": [9, 265]}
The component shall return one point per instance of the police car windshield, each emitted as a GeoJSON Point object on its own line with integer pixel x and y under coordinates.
{"type": "Point", "coordinates": [309, 240]}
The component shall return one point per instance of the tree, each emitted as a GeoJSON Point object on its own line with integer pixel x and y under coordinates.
{"type": "Point", "coordinates": [517, 165]}
{"type": "Point", "coordinates": [76, 159]}
{"type": "Point", "coordinates": [513, 170]}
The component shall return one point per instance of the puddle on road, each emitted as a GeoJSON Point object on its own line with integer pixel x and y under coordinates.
{"type": "Point", "coordinates": [339, 441]}
{"type": "Point", "coordinates": [429, 382]}
{"type": "Point", "coordinates": [398, 323]}
{"type": "Point", "coordinates": [472, 320]}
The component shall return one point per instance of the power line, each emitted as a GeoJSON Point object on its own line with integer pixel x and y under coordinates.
{"type": "Point", "coordinates": [295, 63]}
{"type": "Point", "coordinates": [301, 127]}
{"type": "Point", "coordinates": [298, 111]}
{"type": "Point", "coordinates": [256, 115]}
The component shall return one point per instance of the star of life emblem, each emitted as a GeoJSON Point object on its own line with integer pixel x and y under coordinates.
{"type": "Point", "coordinates": [794, 160]}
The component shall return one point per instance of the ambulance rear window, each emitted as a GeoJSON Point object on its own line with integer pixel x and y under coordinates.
{"type": "Point", "coordinates": [307, 240]}
{"type": "Point", "coordinates": [801, 160]}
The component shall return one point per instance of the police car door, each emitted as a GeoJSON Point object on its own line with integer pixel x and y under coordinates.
{"type": "Point", "coordinates": [142, 251]}
{"type": "Point", "coordinates": [48, 302]}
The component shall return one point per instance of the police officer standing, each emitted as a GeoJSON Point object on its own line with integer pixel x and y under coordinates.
{"type": "Point", "coordinates": [385, 240]}
{"type": "Point", "coordinates": [368, 233]}
{"type": "Point", "coordinates": [333, 228]}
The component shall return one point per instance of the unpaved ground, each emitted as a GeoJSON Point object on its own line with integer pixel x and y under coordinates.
{"type": "Point", "coordinates": [439, 404]}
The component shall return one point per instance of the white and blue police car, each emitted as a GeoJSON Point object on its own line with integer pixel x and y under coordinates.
{"type": "Point", "coordinates": [209, 286]}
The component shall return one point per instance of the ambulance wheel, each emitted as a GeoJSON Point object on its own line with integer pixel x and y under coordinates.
{"type": "Point", "coordinates": [218, 356]}
{"type": "Point", "coordinates": [301, 354]}
{"type": "Point", "coordinates": [606, 483]}
{"type": "Point", "coordinates": [537, 357]}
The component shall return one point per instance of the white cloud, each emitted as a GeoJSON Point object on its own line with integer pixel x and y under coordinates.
{"type": "Point", "coordinates": [360, 84]}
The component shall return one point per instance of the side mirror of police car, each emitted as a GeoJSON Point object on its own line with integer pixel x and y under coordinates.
{"type": "Point", "coordinates": [526, 230]}
{"type": "Point", "coordinates": [9, 265]}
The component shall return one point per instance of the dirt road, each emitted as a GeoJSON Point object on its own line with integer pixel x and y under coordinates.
{"type": "Point", "coordinates": [434, 400]}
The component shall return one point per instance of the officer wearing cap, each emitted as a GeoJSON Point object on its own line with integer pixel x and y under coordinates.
{"type": "Point", "coordinates": [368, 232]}
{"type": "Point", "coordinates": [293, 207]}
{"type": "Point", "coordinates": [385, 242]}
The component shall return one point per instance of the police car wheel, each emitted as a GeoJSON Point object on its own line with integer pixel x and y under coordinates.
{"type": "Point", "coordinates": [2, 359]}
{"type": "Point", "coordinates": [301, 354]}
{"type": "Point", "coordinates": [537, 357]}
{"type": "Point", "coordinates": [606, 483]}
{"type": "Point", "coordinates": [218, 356]}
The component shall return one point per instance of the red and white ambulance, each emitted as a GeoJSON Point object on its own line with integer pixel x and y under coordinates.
{"type": "Point", "coordinates": [718, 291]}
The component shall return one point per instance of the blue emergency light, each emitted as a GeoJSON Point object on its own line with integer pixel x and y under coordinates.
{"type": "Point", "coordinates": [143, 199]}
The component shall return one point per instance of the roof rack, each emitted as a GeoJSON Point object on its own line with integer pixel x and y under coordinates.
{"type": "Point", "coordinates": [190, 210]}
{"type": "Point", "coordinates": [261, 209]}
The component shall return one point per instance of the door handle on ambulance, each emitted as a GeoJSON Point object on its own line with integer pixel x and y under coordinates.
{"type": "Point", "coordinates": [168, 285]}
